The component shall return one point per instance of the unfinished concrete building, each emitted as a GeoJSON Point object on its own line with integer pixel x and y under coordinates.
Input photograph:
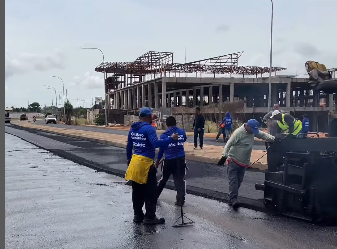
{"type": "Point", "coordinates": [156, 81]}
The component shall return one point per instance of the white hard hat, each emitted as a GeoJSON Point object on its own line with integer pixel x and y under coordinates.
{"type": "Point", "coordinates": [276, 112]}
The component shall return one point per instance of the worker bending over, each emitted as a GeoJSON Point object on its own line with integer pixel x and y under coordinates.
{"type": "Point", "coordinates": [141, 170]}
{"type": "Point", "coordinates": [287, 123]}
{"type": "Point", "coordinates": [174, 161]}
{"type": "Point", "coordinates": [237, 153]}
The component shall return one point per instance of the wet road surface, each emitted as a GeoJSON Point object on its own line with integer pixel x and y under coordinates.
{"type": "Point", "coordinates": [203, 179]}
{"type": "Point", "coordinates": [259, 145]}
{"type": "Point", "coordinates": [54, 203]}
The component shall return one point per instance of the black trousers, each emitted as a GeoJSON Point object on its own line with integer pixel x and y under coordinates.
{"type": "Point", "coordinates": [176, 167]}
{"type": "Point", "coordinates": [199, 134]}
{"type": "Point", "coordinates": [145, 193]}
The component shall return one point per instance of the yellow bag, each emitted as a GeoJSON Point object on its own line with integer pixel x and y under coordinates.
{"type": "Point", "coordinates": [138, 169]}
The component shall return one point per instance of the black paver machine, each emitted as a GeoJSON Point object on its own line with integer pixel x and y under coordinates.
{"type": "Point", "coordinates": [301, 180]}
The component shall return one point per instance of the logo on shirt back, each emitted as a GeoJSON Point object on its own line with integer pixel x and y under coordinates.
{"type": "Point", "coordinates": [138, 139]}
{"type": "Point", "coordinates": [180, 138]}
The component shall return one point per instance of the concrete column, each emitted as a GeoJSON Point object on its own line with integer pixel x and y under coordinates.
{"type": "Point", "coordinates": [156, 96]}
{"type": "Point", "coordinates": [122, 99]}
{"type": "Point", "coordinates": [288, 94]}
{"type": "Point", "coordinates": [210, 95]}
{"type": "Point", "coordinates": [220, 94]}
{"type": "Point", "coordinates": [125, 100]}
{"type": "Point", "coordinates": [175, 98]}
{"type": "Point", "coordinates": [117, 100]}
{"type": "Point", "coordinates": [274, 94]}
{"type": "Point", "coordinates": [202, 96]}
{"type": "Point", "coordinates": [194, 97]}
{"type": "Point", "coordinates": [143, 95]}
{"type": "Point", "coordinates": [134, 98]}
{"type": "Point", "coordinates": [187, 97]}
{"type": "Point", "coordinates": [163, 96]}
{"type": "Point", "coordinates": [231, 92]}
{"type": "Point", "coordinates": [180, 98]}
{"type": "Point", "coordinates": [331, 104]}
{"type": "Point", "coordinates": [139, 104]}
{"type": "Point", "coordinates": [149, 95]}
{"type": "Point", "coordinates": [129, 99]}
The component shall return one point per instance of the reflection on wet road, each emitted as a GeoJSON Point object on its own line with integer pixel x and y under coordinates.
{"type": "Point", "coordinates": [54, 203]}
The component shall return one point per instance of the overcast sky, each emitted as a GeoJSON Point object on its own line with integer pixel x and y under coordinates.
{"type": "Point", "coordinates": [44, 38]}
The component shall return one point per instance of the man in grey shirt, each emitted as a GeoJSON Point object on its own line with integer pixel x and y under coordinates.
{"type": "Point", "coordinates": [237, 153]}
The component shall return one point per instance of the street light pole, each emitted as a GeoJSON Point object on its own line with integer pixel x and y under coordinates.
{"type": "Point", "coordinates": [64, 106]}
{"type": "Point", "coordinates": [271, 54]}
{"type": "Point", "coordinates": [105, 102]}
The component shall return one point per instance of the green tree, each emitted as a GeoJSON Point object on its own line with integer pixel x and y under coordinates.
{"type": "Point", "coordinates": [69, 111]}
{"type": "Point", "coordinates": [34, 107]}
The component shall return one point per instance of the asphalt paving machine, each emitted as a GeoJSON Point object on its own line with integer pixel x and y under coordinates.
{"type": "Point", "coordinates": [301, 180]}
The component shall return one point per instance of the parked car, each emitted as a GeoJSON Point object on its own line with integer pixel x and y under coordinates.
{"type": "Point", "coordinates": [23, 117]}
{"type": "Point", "coordinates": [50, 119]}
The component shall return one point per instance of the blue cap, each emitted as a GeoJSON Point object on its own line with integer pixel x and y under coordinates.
{"type": "Point", "coordinates": [145, 112]}
{"type": "Point", "coordinates": [254, 125]}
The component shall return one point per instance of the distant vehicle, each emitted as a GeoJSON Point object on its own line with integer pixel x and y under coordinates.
{"type": "Point", "coordinates": [50, 119]}
{"type": "Point", "coordinates": [8, 119]}
{"type": "Point", "coordinates": [23, 117]}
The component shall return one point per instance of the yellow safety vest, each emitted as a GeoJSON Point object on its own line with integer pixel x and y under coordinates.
{"type": "Point", "coordinates": [284, 126]}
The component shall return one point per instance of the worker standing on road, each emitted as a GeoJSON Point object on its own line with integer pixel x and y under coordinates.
{"type": "Point", "coordinates": [287, 123]}
{"type": "Point", "coordinates": [141, 170]}
{"type": "Point", "coordinates": [228, 121]}
{"type": "Point", "coordinates": [220, 131]}
{"type": "Point", "coordinates": [237, 153]}
{"type": "Point", "coordinates": [199, 128]}
{"type": "Point", "coordinates": [305, 125]}
{"type": "Point", "coordinates": [174, 161]}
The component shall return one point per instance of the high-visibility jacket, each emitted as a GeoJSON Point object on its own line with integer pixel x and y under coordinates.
{"type": "Point", "coordinates": [284, 126]}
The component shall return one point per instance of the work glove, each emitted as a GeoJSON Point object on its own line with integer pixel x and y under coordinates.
{"type": "Point", "coordinates": [222, 161]}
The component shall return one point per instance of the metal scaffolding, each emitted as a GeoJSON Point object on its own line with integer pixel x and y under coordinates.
{"type": "Point", "coordinates": [154, 62]}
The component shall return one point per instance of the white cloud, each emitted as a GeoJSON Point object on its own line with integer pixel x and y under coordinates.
{"type": "Point", "coordinates": [89, 81]}
{"type": "Point", "coordinates": [27, 62]}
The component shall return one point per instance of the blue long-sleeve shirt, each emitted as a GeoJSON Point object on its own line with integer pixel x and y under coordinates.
{"type": "Point", "coordinates": [176, 148]}
{"type": "Point", "coordinates": [143, 138]}
{"type": "Point", "coordinates": [228, 121]}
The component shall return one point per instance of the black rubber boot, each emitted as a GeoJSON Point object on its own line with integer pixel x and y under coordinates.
{"type": "Point", "coordinates": [138, 219]}
{"type": "Point", "coordinates": [154, 221]}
